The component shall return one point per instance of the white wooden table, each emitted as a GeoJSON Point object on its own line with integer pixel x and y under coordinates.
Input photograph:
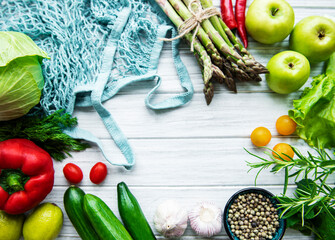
{"type": "Point", "coordinates": [195, 152]}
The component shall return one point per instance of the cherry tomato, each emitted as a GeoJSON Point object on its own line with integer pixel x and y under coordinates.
{"type": "Point", "coordinates": [98, 173]}
{"type": "Point", "coordinates": [285, 125]}
{"type": "Point", "coordinates": [281, 149]}
{"type": "Point", "coordinates": [261, 136]}
{"type": "Point", "coordinates": [73, 173]}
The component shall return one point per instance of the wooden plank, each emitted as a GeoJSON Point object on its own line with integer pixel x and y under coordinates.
{"type": "Point", "coordinates": [182, 162]}
{"type": "Point", "coordinates": [229, 115]}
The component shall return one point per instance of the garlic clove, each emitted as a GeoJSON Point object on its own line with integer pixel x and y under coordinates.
{"type": "Point", "coordinates": [206, 219]}
{"type": "Point", "coordinates": [170, 219]}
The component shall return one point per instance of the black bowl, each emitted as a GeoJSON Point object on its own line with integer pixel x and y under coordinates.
{"type": "Point", "coordinates": [282, 222]}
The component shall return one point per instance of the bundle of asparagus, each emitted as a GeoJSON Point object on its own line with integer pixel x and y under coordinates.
{"type": "Point", "coordinates": [219, 52]}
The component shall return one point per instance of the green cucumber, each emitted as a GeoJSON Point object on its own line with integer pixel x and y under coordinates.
{"type": "Point", "coordinates": [73, 204]}
{"type": "Point", "coordinates": [132, 215]}
{"type": "Point", "coordinates": [103, 220]}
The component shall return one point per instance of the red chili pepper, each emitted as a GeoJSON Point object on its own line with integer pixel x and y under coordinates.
{"type": "Point", "coordinates": [240, 18]}
{"type": "Point", "coordinates": [26, 175]}
{"type": "Point", "coordinates": [227, 13]}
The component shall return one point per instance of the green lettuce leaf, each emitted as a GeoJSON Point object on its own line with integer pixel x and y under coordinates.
{"type": "Point", "coordinates": [314, 112]}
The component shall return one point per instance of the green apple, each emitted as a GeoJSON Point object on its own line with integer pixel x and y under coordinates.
{"type": "Point", "coordinates": [314, 37]}
{"type": "Point", "coordinates": [289, 71]}
{"type": "Point", "coordinates": [269, 21]}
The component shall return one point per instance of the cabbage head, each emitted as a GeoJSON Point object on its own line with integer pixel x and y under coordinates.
{"type": "Point", "coordinates": [21, 79]}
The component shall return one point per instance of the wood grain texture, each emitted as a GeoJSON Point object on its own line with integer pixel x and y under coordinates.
{"type": "Point", "coordinates": [229, 115]}
{"type": "Point", "coordinates": [195, 152]}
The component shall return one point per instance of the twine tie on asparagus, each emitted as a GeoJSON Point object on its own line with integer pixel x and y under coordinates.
{"type": "Point", "coordinates": [198, 16]}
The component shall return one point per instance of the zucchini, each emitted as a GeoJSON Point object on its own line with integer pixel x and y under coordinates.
{"type": "Point", "coordinates": [103, 220]}
{"type": "Point", "coordinates": [73, 204]}
{"type": "Point", "coordinates": [132, 215]}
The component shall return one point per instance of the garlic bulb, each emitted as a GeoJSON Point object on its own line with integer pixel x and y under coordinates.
{"type": "Point", "coordinates": [206, 219]}
{"type": "Point", "coordinates": [170, 219]}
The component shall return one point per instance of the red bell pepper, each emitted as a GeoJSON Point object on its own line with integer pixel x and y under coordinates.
{"type": "Point", "coordinates": [26, 175]}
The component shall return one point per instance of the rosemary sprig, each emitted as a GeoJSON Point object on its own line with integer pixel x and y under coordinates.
{"type": "Point", "coordinates": [314, 200]}
{"type": "Point", "coordinates": [321, 166]}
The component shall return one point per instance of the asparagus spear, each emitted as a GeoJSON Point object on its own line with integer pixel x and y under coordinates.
{"type": "Point", "coordinates": [215, 21]}
{"type": "Point", "coordinates": [239, 68]}
{"type": "Point", "coordinates": [217, 74]}
{"type": "Point", "coordinates": [209, 92]}
{"type": "Point", "coordinates": [203, 37]}
{"type": "Point", "coordinates": [228, 79]}
{"type": "Point", "coordinates": [201, 52]}
{"type": "Point", "coordinates": [224, 65]}
{"type": "Point", "coordinates": [214, 35]}
{"type": "Point", "coordinates": [204, 60]}
{"type": "Point", "coordinates": [219, 42]}
{"type": "Point", "coordinates": [225, 32]}
{"type": "Point", "coordinates": [211, 71]}
{"type": "Point", "coordinates": [211, 49]}
{"type": "Point", "coordinates": [247, 57]}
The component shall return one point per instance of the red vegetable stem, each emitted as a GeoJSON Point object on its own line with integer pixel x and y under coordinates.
{"type": "Point", "coordinates": [227, 13]}
{"type": "Point", "coordinates": [240, 18]}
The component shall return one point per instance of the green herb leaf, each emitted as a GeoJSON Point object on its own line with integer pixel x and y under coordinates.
{"type": "Point", "coordinates": [294, 222]}
{"type": "Point", "coordinates": [310, 211]}
{"type": "Point", "coordinates": [328, 164]}
{"type": "Point", "coordinates": [325, 225]}
{"type": "Point", "coordinates": [286, 181]}
{"type": "Point", "coordinates": [306, 187]}
{"type": "Point", "coordinates": [332, 193]}
{"type": "Point", "coordinates": [292, 212]}
{"type": "Point", "coordinates": [46, 132]}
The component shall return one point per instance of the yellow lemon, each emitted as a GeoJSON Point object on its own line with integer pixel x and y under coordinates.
{"type": "Point", "coordinates": [44, 223]}
{"type": "Point", "coordinates": [10, 226]}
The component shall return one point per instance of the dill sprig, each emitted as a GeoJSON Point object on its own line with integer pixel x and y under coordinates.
{"type": "Point", "coordinates": [46, 132]}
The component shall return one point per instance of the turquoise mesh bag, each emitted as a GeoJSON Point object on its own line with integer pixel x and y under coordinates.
{"type": "Point", "coordinates": [96, 47]}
